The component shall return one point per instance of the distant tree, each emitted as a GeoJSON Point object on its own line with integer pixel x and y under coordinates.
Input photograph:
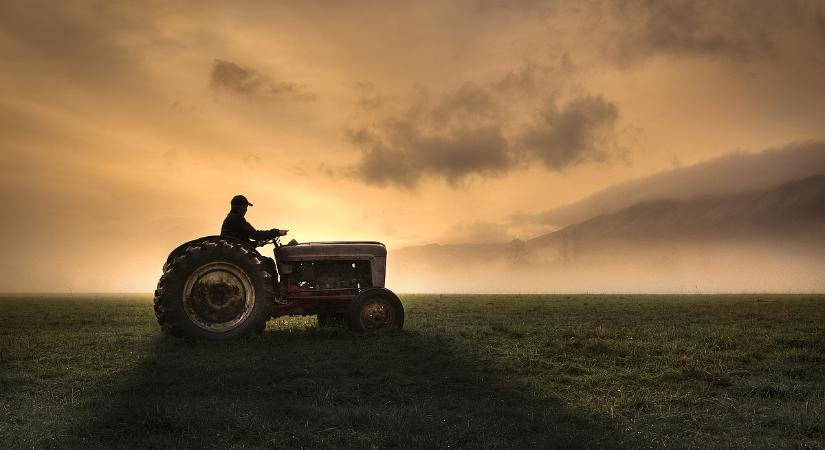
{"type": "Point", "coordinates": [517, 250]}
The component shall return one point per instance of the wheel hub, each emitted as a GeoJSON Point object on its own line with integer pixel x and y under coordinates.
{"type": "Point", "coordinates": [377, 314]}
{"type": "Point", "coordinates": [218, 296]}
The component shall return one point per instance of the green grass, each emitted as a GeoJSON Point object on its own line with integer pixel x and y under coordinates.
{"type": "Point", "coordinates": [467, 371]}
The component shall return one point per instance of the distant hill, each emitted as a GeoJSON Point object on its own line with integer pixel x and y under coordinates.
{"type": "Point", "coordinates": [796, 208]}
{"type": "Point", "coordinates": [767, 240]}
{"type": "Point", "coordinates": [729, 174]}
{"type": "Point", "coordinates": [792, 210]}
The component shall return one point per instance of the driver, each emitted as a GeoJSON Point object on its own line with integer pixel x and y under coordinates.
{"type": "Point", "coordinates": [235, 225]}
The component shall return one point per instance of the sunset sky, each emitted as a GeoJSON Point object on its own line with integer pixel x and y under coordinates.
{"type": "Point", "coordinates": [126, 127]}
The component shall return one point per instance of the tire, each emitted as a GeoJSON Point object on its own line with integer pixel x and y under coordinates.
{"type": "Point", "coordinates": [215, 288]}
{"type": "Point", "coordinates": [327, 320]}
{"type": "Point", "coordinates": [375, 309]}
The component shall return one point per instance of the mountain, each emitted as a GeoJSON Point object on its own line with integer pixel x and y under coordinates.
{"type": "Point", "coordinates": [793, 209]}
{"type": "Point", "coordinates": [729, 174]}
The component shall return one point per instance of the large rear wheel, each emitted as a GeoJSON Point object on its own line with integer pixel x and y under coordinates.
{"type": "Point", "coordinates": [215, 289]}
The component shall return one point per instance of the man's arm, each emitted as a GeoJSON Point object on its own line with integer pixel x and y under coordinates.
{"type": "Point", "coordinates": [262, 235]}
{"type": "Point", "coordinates": [259, 235]}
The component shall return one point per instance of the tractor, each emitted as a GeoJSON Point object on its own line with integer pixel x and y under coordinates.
{"type": "Point", "coordinates": [220, 288]}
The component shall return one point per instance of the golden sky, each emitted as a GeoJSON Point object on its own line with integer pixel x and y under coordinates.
{"type": "Point", "coordinates": [126, 127]}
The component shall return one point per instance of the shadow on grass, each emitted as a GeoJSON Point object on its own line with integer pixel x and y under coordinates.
{"type": "Point", "coordinates": [327, 388]}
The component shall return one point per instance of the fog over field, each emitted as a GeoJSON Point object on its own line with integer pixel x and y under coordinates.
{"type": "Point", "coordinates": [712, 227]}
{"type": "Point", "coordinates": [677, 268]}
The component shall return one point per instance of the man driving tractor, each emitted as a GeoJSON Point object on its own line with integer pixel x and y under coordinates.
{"type": "Point", "coordinates": [220, 287]}
{"type": "Point", "coordinates": [235, 225]}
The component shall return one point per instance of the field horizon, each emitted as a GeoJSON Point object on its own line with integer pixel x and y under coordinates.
{"type": "Point", "coordinates": [477, 294]}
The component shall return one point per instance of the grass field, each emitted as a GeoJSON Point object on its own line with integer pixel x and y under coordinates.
{"type": "Point", "coordinates": [467, 372]}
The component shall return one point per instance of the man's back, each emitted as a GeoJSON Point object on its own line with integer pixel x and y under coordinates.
{"type": "Point", "coordinates": [236, 227]}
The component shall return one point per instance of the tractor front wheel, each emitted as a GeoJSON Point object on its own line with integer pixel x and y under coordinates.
{"type": "Point", "coordinates": [375, 309]}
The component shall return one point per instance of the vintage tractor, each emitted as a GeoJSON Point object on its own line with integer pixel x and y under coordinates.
{"type": "Point", "coordinates": [220, 288]}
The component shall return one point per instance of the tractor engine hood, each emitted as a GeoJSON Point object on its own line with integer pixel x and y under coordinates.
{"type": "Point", "coordinates": [375, 252]}
{"type": "Point", "coordinates": [332, 250]}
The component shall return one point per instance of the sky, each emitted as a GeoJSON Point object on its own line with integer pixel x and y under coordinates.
{"type": "Point", "coordinates": [126, 127]}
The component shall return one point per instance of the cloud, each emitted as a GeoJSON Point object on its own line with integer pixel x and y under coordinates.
{"type": "Point", "coordinates": [531, 77]}
{"type": "Point", "coordinates": [470, 103]}
{"type": "Point", "coordinates": [236, 79]}
{"type": "Point", "coordinates": [701, 28]}
{"type": "Point", "coordinates": [726, 29]}
{"type": "Point", "coordinates": [453, 155]}
{"type": "Point", "coordinates": [453, 139]}
{"type": "Point", "coordinates": [729, 174]}
{"type": "Point", "coordinates": [570, 135]}
{"type": "Point", "coordinates": [475, 131]}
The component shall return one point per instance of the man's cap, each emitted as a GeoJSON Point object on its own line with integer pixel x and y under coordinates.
{"type": "Point", "coordinates": [239, 200]}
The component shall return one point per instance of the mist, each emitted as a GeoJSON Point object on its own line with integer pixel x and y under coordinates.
{"type": "Point", "coordinates": [765, 240]}
{"type": "Point", "coordinates": [677, 267]}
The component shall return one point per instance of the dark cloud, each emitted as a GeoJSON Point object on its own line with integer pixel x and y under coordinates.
{"type": "Point", "coordinates": [570, 135]}
{"type": "Point", "coordinates": [698, 27]}
{"type": "Point", "coordinates": [401, 154]}
{"type": "Point", "coordinates": [634, 30]}
{"type": "Point", "coordinates": [472, 131]}
{"type": "Point", "coordinates": [452, 139]}
{"type": "Point", "coordinates": [727, 29]}
{"type": "Point", "coordinates": [532, 77]}
{"type": "Point", "coordinates": [230, 77]}
{"type": "Point", "coordinates": [470, 103]}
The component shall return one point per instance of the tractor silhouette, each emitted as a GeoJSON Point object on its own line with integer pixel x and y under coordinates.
{"type": "Point", "coordinates": [216, 287]}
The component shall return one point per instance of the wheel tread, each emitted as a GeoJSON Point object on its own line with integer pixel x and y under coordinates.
{"type": "Point", "coordinates": [163, 299]}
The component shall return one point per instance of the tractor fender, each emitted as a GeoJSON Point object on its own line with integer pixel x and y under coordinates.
{"type": "Point", "coordinates": [181, 248]}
